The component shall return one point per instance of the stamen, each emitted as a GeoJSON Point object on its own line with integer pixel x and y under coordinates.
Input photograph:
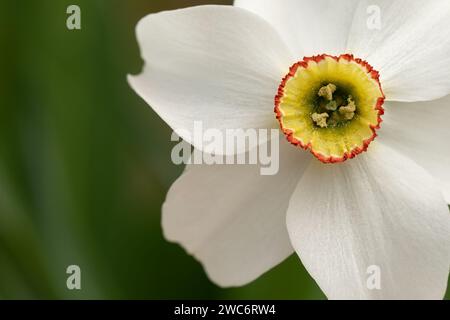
{"type": "Point", "coordinates": [327, 91]}
{"type": "Point", "coordinates": [320, 119]}
{"type": "Point", "coordinates": [348, 112]}
{"type": "Point", "coordinates": [332, 111]}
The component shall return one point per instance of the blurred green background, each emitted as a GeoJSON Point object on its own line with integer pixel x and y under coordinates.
{"type": "Point", "coordinates": [85, 164]}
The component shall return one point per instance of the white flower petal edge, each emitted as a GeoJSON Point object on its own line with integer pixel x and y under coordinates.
{"type": "Point", "coordinates": [232, 219]}
{"type": "Point", "coordinates": [411, 48]}
{"type": "Point", "coordinates": [421, 131]}
{"type": "Point", "coordinates": [379, 209]}
{"type": "Point", "coordinates": [309, 27]}
{"type": "Point", "coordinates": [217, 64]}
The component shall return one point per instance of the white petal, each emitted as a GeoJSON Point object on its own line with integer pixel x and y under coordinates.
{"type": "Point", "coordinates": [380, 210]}
{"type": "Point", "coordinates": [421, 131]}
{"type": "Point", "coordinates": [411, 48]}
{"type": "Point", "coordinates": [217, 64]}
{"type": "Point", "coordinates": [308, 27]}
{"type": "Point", "coordinates": [232, 219]}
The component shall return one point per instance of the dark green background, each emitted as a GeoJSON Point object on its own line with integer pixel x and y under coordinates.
{"type": "Point", "coordinates": [85, 164]}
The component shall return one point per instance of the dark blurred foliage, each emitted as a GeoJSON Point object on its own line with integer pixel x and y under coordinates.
{"type": "Point", "coordinates": [85, 164]}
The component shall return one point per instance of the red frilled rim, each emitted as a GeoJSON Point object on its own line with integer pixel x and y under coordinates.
{"type": "Point", "coordinates": [379, 107]}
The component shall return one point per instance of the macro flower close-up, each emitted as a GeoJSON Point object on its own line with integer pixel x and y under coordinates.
{"type": "Point", "coordinates": [360, 93]}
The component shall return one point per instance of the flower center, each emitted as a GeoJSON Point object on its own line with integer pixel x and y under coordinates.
{"type": "Point", "coordinates": [331, 106]}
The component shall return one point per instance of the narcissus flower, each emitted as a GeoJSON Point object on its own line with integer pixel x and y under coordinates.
{"type": "Point", "coordinates": [372, 193]}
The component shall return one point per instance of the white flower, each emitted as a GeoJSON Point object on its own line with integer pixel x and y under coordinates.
{"type": "Point", "coordinates": [388, 207]}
